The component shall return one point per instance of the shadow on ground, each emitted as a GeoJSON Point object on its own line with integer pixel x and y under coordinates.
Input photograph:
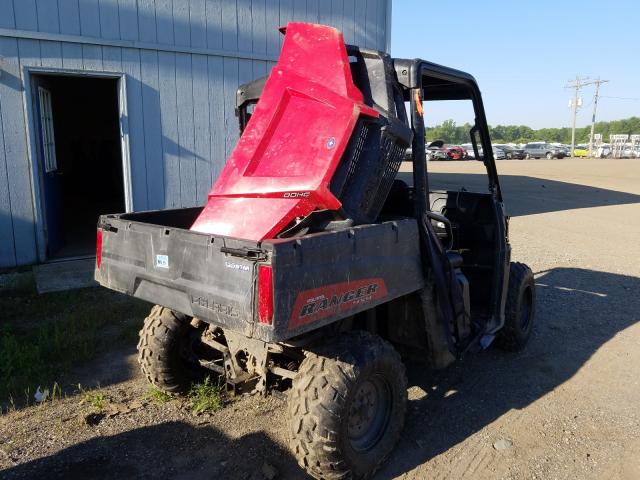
{"type": "Point", "coordinates": [173, 450]}
{"type": "Point", "coordinates": [530, 195]}
{"type": "Point", "coordinates": [578, 311]}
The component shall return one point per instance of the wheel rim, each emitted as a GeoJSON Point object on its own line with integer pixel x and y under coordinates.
{"type": "Point", "coordinates": [369, 413]}
{"type": "Point", "coordinates": [526, 308]}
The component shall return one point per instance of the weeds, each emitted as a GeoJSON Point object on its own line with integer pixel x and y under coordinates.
{"type": "Point", "coordinates": [158, 396]}
{"type": "Point", "coordinates": [12, 405]}
{"type": "Point", "coordinates": [205, 397]}
{"type": "Point", "coordinates": [96, 398]}
{"type": "Point", "coordinates": [56, 394]}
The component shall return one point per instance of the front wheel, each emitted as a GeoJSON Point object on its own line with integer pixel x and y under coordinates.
{"type": "Point", "coordinates": [347, 406]}
{"type": "Point", "coordinates": [519, 310]}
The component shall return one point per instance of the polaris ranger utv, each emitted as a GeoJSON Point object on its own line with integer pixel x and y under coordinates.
{"type": "Point", "coordinates": [312, 265]}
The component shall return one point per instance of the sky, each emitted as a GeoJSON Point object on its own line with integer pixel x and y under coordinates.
{"type": "Point", "coordinates": [524, 52]}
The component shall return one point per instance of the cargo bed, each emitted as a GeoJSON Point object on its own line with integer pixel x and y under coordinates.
{"type": "Point", "coordinates": [271, 290]}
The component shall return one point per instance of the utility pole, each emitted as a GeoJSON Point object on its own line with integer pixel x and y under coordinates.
{"type": "Point", "coordinates": [576, 84]}
{"type": "Point", "coordinates": [597, 83]}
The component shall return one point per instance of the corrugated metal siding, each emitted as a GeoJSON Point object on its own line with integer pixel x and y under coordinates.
{"type": "Point", "coordinates": [183, 61]}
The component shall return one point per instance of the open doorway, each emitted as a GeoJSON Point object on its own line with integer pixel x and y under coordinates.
{"type": "Point", "coordinates": [80, 158]}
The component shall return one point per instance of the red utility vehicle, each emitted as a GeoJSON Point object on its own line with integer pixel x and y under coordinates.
{"type": "Point", "coordinates": [312, 267]}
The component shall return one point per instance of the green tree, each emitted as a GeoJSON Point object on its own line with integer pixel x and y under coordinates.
{"type": "Point", "coordinates": [449, 132]}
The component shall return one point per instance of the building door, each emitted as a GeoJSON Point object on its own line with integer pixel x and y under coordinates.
{"type": "Point", "coordinates": [80, 158]}
{"type": "Point", "coordinates": [49, 163]}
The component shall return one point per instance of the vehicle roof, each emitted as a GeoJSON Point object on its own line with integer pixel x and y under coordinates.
{"type": "Point", "coordinates": [442, 82]}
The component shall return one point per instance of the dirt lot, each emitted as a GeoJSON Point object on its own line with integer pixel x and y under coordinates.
{"type": "Point", "coordinates": [565, 408]}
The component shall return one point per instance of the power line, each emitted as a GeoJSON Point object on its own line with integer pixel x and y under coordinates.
{"type": "Point", "coordinates": [620, 98]}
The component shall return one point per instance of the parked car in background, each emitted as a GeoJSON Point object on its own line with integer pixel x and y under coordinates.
{"type": "Point", "coordinates": [436, 151]}
{"type": "Point", "coordinates": [408, 154]}
{"type": "Point", "coordinates": [629, 151]}
{"type": "Point", "coordinates": [468, 148]}
{"type": "Point", "coordinates": [581, 151]}
{"type": "Point", "coordinates": [498, 154]}
{"type": "Point", "coordinates": [543, 150]}
{"type": "Point", "coordinates": [456, 153]}
{"type": "Point", "coordinates": [436, 154]}
{"type": "Point", "coordinates": [603, 151]}
{"type": "Point", "coordinates": [511, 152]}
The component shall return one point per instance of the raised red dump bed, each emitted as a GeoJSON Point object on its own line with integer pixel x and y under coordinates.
{"type": "Point", "coordinates": [311, 122]}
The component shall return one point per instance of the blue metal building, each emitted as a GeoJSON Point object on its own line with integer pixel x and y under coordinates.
{"type": "Point", "coordinates": [113, 105]}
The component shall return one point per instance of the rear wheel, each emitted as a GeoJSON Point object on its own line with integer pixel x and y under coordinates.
{"type": "Point", "coordinates": [165, 351]}
{"type": "Point", "coordinates": [347, 406]}
{"type": "Point", "coordinates": [519, 310]}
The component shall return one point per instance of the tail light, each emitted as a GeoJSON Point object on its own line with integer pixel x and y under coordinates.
{"type": "Point", "coordinates": [265, 294]}
{"type": "Point", "coordinates": [99, 248]}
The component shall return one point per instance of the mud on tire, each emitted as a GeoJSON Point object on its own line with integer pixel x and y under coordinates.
{"type": "Point", "coordinates": [163, 339]}
{"type": "Point", "coordinates": [519, 310]}
{"type": "Point", "coordinates": [347, 406]}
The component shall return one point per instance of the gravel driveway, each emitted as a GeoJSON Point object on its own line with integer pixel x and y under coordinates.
{"type": "Point", "coordinates": [565, 408]}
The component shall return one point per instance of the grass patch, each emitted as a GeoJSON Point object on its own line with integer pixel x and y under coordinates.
{"type": "Point", "coordinates": [17, 283]}
{"type": "Point", "coordinates": [206, 397]}
{"type": "Point", "coordinates": [43, 336]}
{"type": "Point", "coordinates": [158, 396]}
{"type": "Point", "coordinates": [94, 398]}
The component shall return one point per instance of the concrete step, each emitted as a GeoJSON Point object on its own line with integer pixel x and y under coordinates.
{"type": "Point", "coordinates": [64, 275]}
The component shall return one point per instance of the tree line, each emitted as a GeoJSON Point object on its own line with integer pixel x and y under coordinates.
{"type": "Point", "coordinates": [449, 132]}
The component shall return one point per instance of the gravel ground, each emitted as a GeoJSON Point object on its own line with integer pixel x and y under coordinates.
{"type": "Point", "coordinates": [565, 408]}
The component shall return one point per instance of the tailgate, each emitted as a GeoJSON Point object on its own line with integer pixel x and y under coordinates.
{"type": "Point", "coordinates": [321, 278]}
{"type": "Point", "coordinates": [201, 275]}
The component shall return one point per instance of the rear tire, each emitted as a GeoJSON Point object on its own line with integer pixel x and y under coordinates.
{"type": "Point", "coordinates": [347, 407]}
{"type": "Point", "coordinates": [519, 312]}
{"type": "Point", "coordinates": [163, 340]}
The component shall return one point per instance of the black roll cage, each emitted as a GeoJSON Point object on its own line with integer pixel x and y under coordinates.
{"type": "Point", "coordinates": [422, 80]}
{"type": "Point", "coordinates": [427, 81]}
